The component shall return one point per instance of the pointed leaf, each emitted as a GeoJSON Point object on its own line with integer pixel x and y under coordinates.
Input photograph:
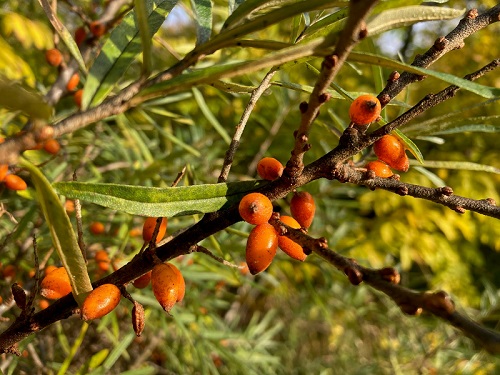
{"type": "Point", "coordinates": [203, 16]}
{"type": "Point", "coordinates": [210, 116]}
{"type": "Point", "coordinates": [165, 202]}
{"type": "Point", "coordinates": [412, 147]}
{"type": "Point", "coordinates": [464, 165]}
{"type": "Point", "coordinates": [61, 230]}
{"type": "Point", "coordinates": [120, 50]}
{"type": "Point", "coordinates": [142, 23]}
{"type": "Point", "coordinates": [16, 98]}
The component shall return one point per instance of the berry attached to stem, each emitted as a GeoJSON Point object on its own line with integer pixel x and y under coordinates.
{"type": "Point", "coordinates": [270, 169]}
{"type": "Point", "coordinates": [364, 109]}
{"type": "Point", "coordinates": [290, 247]}
{"type": "Point", "coordinates": [255, 208]}
{"type": "Point", "coordinates": [101, 301]}
{"type": "Point", "coordinates": [261, 247]}
{"type": "Point", "coordinates": [303, 208]}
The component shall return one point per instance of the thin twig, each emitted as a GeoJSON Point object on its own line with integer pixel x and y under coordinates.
{"type": "Point", "coordinates": [204, 250]}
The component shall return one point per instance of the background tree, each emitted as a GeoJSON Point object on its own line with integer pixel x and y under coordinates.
{"type": "Point", "coordinates": [153, 107]}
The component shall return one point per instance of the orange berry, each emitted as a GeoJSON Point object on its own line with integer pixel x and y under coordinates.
{"type": "Point", "coordinates": [14, 182]}
{"type": "Point", "coordinates": [101, 256]}
{"type": "Point", "coordinates": [290, 247]}
{"type": "Point", "coordinates": [135, 232]}
{"type": "Point", "coordinates": [380, 168]}
{"type": "Point", "coordinates": [2, 139]}
{"type": "Point", "coordinates": [103, 266]}
{"type": "Point", "coordinates": [392, 151]}
{"type": "Point", "coordinates": [73, 82]}
{"type": "Point", "coordinates": [31, 273]}
{"type": "Point", "coordinates": [255, 208]}
{"type": "Point", "coordinates": [166, 285]}
{"type": "Point", "coordinates": [180, 282]}
{"type": "Point", "coordinates": [4, 168]}
{"type": "Point", "coordinates": [142, 281]}
{"type": "Point", "coordinates": [43, 304]}
{"type": "Point", "coordinates": [55, 284]}
{"type": "Point", "coordinates": [9, 272]}
{"type": "Point", "coordinates": [261, 247]}
{"type": "Point", "coordinates": [69, 206]}
{"type": "Point", "coordinates": [303, 208]}
{"type": "Point", "coordinates": [52, 146]}
{"type": "Point", "coordinates": [270, 169]}
{"type": "Point", "coordinates": [78, 98]}
{"type": "Point", "coordinates": [49, 269]}
{"type": "Point", "coordinates": [97, 28]}
{"type": "Point", "coordinates": [1, 300]}
{"type": "Point", "coordinates": [149, 227]}
{"type": "Point", "coordinates": [97, 228]}
{"type": "Point", "coordinates": [101, 301]}
{"type": "Point", "coordinates": [80, 35]}
{"type": "Point", "coordinates": [54, 57]}
{"type": "Point", "coordinates": [364, 109]}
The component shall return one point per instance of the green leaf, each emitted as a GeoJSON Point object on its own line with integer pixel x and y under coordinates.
{"type": "Point", "coordinates": [16, 98]}
{"type": "Point", "coordinates": [327, 24]}
{"type": "Point", "coordinates": [210, 116]}
{"type": "Point", "coordinates": [446, 125]}
{"type": "Point", "coordinates": [63, 32]}
{"type": "Point", "coordinates": [464, 165]}
{"type": "Point", "coordinates": [412, 147]}
{"type": "Point", "coordinates": [405, 16]}
{"type": "Point", "coordinates": [142, 23]}
{"type": "Point", "coordinates": [63, 236]}
{"type": "Point", "coordinates": [434, 178]}
{"type": "Point", "coordinates": [155, 202]}
{"type": "Point", "coordinates": [203, 16]}
{"type": "Point", "coordinates": [484, 91]}
{"type": "Point", "coordinates": [120, 50]}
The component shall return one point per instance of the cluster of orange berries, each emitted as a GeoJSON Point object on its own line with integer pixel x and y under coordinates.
{"type": "Point", "coordinates": [389, 149]}
{"type": "Point", "coordinates": [166, 280]}
{"type": "Point", "coordinates": [256, 209]}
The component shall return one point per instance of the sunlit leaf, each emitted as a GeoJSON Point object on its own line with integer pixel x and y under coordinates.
{"type": "Point", "coordinates": [16, 98]}
{"type": "Point", "coordinates": [61, 230]}
{"type": "Point", "coordinates": [412, 147]}
{"type": "Point", "coordinates": [151, 201]}
{"type": "Point", "coordinates": [210, 116]}
{"type": "Point", "coordinates": [203, 16]}
{"type": "Point", "coordinates": [145, 34]}
{"type": "Point", "coordinates": [463, 165]}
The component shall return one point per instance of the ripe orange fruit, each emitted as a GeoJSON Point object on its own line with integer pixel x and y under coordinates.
{"type": "Point", "coordinates": [80, 35]}
{"type": "Point", "coordinates": [380, 168]}
{"type": "Point", "coordinates": [97, 28]}
{"type": "Point", "coordinates": [52, 146]}
{"type": "Point", "coordinates": [101, 256]}
{"type": "Point", "coordinates": [135, 232]}
{"type": "Point", "coordinates": [142, 281]}
{"type": "Point", "coordinates": [55, 284]}
{"type": "Point", "coordinates": [49, 269]}
{"type": "Point", "coordinates": [69, 206]}
{"type": "Point", "coordinates": [78, 98]}
{"type": "Point", "coordinates": [392, 151]}
{"type": "Point", "coordinates": [149, 227]}
{"type": "Point", "coordinates": [14, 182]}
{"type": "Point", "coordinates": [180, 282]}
{"type": "Point", "coordinates": [167, 286]}
{"type": "Point", "coordinates": [54, 57]}
{"type": "Point", "coordinates": [291, 248]}
{"type": "Point", "coordinates": [303, 208]}
{"type": "Point", "coordinates": [270, 169]}
{"type": "Point", "coordinates": [101, 301]}
{"type": "Point", "coordinates": [97, 228]}
{"type": "Point", "coordinates": [4, 168]}
{"type": "Point", "coordinates": [73, 82]}
{"type": "Point", "coordinates": [9, 272]}
{"type": "Point", "coordinates": [261, 247]}
{"type": "Point", "coordinates": [364, 109]}
{"type": "Point", "coordinates": [43, 304]}
{"type": "Point", "coordinates": [255, 208]}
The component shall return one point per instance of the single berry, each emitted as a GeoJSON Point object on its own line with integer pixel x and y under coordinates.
{"type": "Point", "coordinates": [364, 109]}
{"type": "Point", "coordinates": [97, 28]}
{"type": "Point", "coordinates": [9, 272]}
{"type": "Point", "coordinates": [78, 98]}
{"type": "Point", "coordinates": [69, 206]}
{"type": "Point", "coordinates": [80, 35]}
{"type": "Point", "coordinates": [73, 82]}
{"type": "Point", "coordinates": [97, 228]}
{"type": "Point", "coordinates": [392, 151]}
{"type": "Point", "coordinates": [49, 269]}
{"type": "Point", "coordinates": [270, 169]}
{"type": "Point", "coordinates": [149, 227]}
{"type": "Point", "coordinates": [261, 247]}
{"type": "Point", "coordinates": [55, 284]}
{"type": "Point", "coordinates": [290, 247]}
{"type": "Point", "coordinates": [303, 208]}
{"type": "Point", "coordinates": [142, 281]}
{"type": "Point", "coordinates": [380, 168]}
{"type": "Point", "coordinates": [43, 304]}
{"type": "Point", "coordinates": [4, 168]}
{"type": "Point", "coordinates": [52, 146]}
{"type": "Point", "coordinates": [166, 285]}
{"type": "Point", "coordinates": [13, 182]}
{"type": "Point", "coordinates": [54, 57]}
{"type": "Point", "coordinates": [101, 301]}
{"type": "Point", "coordinates": [101, 256]}
{"type": "Point", "coordinates": [255, 208]}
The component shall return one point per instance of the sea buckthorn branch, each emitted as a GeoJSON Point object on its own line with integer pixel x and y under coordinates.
{"type": "Point", "coordinates": [471, 23]}
{"type": "Point", "coordinates": [353, 32]}
{"type": "Point", "coordinates": [387, 280]}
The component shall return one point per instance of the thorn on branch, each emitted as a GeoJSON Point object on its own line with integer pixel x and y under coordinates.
{"type": "Point", "coordinates": [446, 190]}
{"type": "Point", "coordinates": [440, 43]}
{"type": "Point", "coordinates": [363, 32]}
{"type": "Point", "coordinates": [410, 309]}
{"type": "Point", "coordinates": [402, 190]}
{"type": "Point", "coordinates": [472, 14]}
{"type": "Point", "coordinates": [390, 274]}
{"type": "Point", "coordinates": [459, 209]}
{"type": "Point", "coordinates": [393, 77]}
{"type": "Point", "coordinates": [439, 301]}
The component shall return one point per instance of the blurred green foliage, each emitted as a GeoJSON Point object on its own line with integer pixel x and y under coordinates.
{"type": "Point", "coordinates": [295, 318]}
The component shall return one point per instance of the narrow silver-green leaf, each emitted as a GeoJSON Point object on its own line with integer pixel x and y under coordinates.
{"type": "Point", "coordinates": [405, 16]}
{"type": "Point", "coordinates": [151, 201]}
{"type": "Point", "coordinates": [203, 16]}
{"type": "Point", "coordinates": [120, 50]}
{"type": "Point", "coordinates": [326, 24]}
{"type": "Point", "coordinates": [484, 91]}
{"type": "Point", "coordinates": [61, 230]}
{"type": "Point", "coordinates": [63, 32]}
{"type": "Point", "coordinates": [17, 98]}
{"type": "Point", "coordinates": [144, 33]}
{"type": "Point", "coordinates": [412, 147]}
{"type": "Point", "coordinates": [464, 165]}
{"type": "Point", "coordinates": [200, 100]}
{"type": "Point", "coordinates": [248, 8]}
